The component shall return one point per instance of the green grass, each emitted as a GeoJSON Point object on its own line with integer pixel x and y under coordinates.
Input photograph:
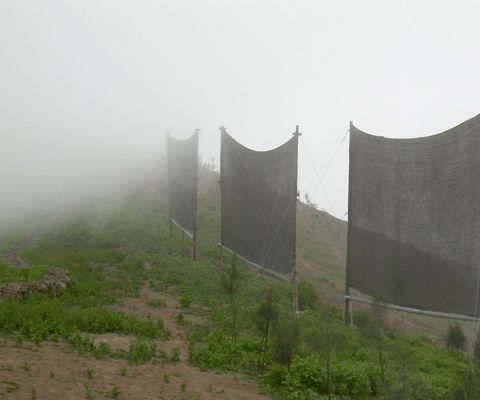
{"type": "Point", "coordinates": [107, 259]}
{"type": "Point", "coordinates": [9, 274]}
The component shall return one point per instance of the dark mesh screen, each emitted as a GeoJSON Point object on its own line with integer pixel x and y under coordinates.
{"type": "Point", "coordinates": [259, 203]}
{"type": "Point", "coordinates": [414, 218]}
{"type": "Point", "coordinates": [182, 158]}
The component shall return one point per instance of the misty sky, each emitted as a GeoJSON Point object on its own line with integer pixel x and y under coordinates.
{"type": "Point", "coordinates": [88, 85]}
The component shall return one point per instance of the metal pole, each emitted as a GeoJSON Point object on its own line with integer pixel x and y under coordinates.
{"type": "Point", "coordinates": [435, 314]}
{"type": "Point", "coordinates": [171, 228]}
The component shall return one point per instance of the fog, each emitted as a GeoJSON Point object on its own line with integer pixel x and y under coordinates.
{"type": "Point", "coordinates": [88, 88]}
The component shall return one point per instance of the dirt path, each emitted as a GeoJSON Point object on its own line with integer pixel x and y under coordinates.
{"type": "Point", "coordinates": [12, 258]}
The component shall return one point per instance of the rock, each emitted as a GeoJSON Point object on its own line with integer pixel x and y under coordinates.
{"type": "Point", "coordinates": [56, 280]}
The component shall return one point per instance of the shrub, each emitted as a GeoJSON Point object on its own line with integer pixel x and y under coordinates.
{"type": "Point", "coordinates": [141, 351]}
{"type": "Point", "coordinates": [286, 338]}
{"type": "Point", "coordinates": [455, 337]}
{"type": "Point", "coordinates": [307, 296]}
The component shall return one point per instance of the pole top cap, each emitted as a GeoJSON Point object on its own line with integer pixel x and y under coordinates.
{"type": "Point", "coordinates": [297, 132]}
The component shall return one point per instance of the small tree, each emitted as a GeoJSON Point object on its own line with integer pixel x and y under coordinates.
{"type": "Point", "coordinates": [380, 319]}
{"type": "Point", "coordinates": [286, 338]}
{"type": "Point", "coordinates": [407, 385]}
{"type": "Point", "coordinates": [325, 340]}
{"type": "Point", "coordinates": [371, 325]}
{"type": "Point", "coordinates": [307, 296]}
{"type": "Point", "coordinates": [231, 279]}
{"type": "Point", "coordinates": [455, 338]}
{"type": "Point", "coordinates": [468, 386]}
{"type": "Point", "coordinates": [265, 315]}
{"type": "Point", "coordinates": [476, 350]}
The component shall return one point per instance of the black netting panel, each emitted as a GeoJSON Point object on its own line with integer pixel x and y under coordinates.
{"type": "Point", "coordinates": [414, 218]}
{"type": "Point", "coordinates": [182, 158]}
{"type": "Point", "coordinates": [259, 203]}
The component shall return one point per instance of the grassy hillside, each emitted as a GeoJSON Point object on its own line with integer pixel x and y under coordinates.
{"type": "Point", "coordinates": [321, 256]}
{"type": "Point", "coordinates": [136, 300]}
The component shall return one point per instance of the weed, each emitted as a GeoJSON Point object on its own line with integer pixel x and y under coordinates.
{"type": "Point", "coordinates": [180, 318]}
{"type": "Point", "coordinates": [88, 392]}
{"type": "Point", "coordinates": [156, 303]}
{"type": "Point", "coordinates": [11, 387]}
{"type": "Point", "coordinates": [115, 392]}
{"type": "Point", "coordinates": [183, 386]}
{"type": "Point", "coordinates": [141, 351]}
{"type": "Point", "coordinates": [185, 301]}
{"type": "Point", "coordinates": [166, 377]}
{"type": "Point", "coordinates": [6, 367]}
{"type": "Point", "coordinates": [175, 356]}
{"type": "Point", "coordinates": [89, 373]}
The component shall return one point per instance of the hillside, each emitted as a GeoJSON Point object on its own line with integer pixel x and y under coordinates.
{"type": "Point", "coordinates": [321, 239]}
{"type": "Point", "coordinates": [139, 320]}
{"type": "Point", "coordinates": [321, 255]}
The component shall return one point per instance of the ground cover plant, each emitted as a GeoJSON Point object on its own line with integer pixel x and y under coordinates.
{"type": "Point", "coordinates": [250, 329]}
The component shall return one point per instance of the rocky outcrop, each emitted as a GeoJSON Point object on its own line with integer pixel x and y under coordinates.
{"type": "Point", "coordinates": [56, 280]}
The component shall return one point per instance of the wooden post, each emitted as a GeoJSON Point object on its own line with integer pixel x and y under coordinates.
{"type": "Point", "coordinates": [194, 248]}
{"type": "Point", "coordinates": [167, 135]}
{"type": "Point", "coordinates": [295, 278]}
{"type": "Point", "coordinates": [221, 257]}
{"type": "Point", "coordinates": [348, 306]}
{"type": "Point", "coordinates": [295, 292]}
{"type": "Point", "coordinates": [223, 130]}
{"type": "Point", "coordinates": [194, 233]}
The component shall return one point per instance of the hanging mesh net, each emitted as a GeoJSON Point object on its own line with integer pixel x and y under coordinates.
{"type": "Point", "coordinates": [414, 218]}
{"type": "Point", "coordinates": [259, 203]}
{"type": "Point", "coordinates": [182, 156]}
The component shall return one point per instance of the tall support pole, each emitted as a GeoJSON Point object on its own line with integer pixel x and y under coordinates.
{"type": "Point", "coordinates": [295, 292]}
{"type": "Point", "coordinates": [296, 194]}
{"type": "Point", "coordinates": [167, 135]}
{"type": "Point", "coordinates": [223, 131]}
{"type": "Point", "coordinates": [194, 237]}
{"type": "Point", "coordinates": [194, 247]}
{"type": "Point", "coordinates": [348, 306]}
{"type": "Point", "coordinates": [222, 266]}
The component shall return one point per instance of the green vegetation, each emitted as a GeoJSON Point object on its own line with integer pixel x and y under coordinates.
{"type": "Point", "coordinates": [8, 274]}
{"type": "Point", "coordinates": [308, 356]}
{"type": "Point", "coordinates": [140, 351]}
{"type": "Point", "coordinates": [456, 338]}
{"type": "Point", "coordinates": [156, 303]}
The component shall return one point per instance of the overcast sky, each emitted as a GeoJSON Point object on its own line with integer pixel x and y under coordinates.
{"type": "Point", "coordinates": [81, 81]}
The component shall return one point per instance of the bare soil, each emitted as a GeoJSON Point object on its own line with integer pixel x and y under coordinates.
{"type": "Point", "coordinates": [55, 371]}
